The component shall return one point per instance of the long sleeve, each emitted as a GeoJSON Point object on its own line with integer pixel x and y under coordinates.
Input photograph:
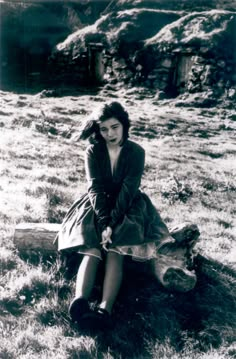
{"type": "Point", "coordinates": [96, 189]}
{"type": "Point", "coordinates": [130, 185]}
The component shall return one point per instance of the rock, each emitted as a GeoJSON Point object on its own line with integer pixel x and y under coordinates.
{"type": "Point", "coordinates": [166, 63]}
{"type": "Point", "coordinates": [221, 63]}
{"type": "Point", "coordinates": [160, 95]}
{"type": "Point", "coordinates": [231, 93]}
{"type": "Point", "coordinates": [49, 93]}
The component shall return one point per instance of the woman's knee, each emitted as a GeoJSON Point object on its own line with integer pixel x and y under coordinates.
{"type": "Point", "coordinates": [91, 253]}
{"type": "Point", "coordinates": [115, 257]}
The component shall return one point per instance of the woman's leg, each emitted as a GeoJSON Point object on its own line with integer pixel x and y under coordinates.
{"type": "Point", "coordinates": [86, 276]}
{"type": "Point", "coordinates": [112, 280]}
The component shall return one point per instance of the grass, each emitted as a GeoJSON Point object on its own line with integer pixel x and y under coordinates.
{"type": "Point", "coordinates": [189, 175]}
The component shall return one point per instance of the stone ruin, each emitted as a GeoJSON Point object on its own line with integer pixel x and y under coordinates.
{"type": "Point", "coordinates": [176, 62]}
{"type": "Point", "coordinates": [136, 43]}
{"type": "Point", "coordinates": [193, 54]}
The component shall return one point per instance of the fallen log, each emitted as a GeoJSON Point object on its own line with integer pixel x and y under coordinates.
{"type": "Point", "coordinates": [38, 237]}
{"type": "Point", "coordinates": [173, 268]}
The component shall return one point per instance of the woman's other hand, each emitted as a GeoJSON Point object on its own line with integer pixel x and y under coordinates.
{"type": "Point", "coordinates": [106, 237]}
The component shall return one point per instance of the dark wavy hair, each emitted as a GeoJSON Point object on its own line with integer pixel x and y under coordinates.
{"type": "Point", "coordinates": [114, 109]}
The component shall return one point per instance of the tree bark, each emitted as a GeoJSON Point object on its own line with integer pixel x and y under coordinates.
{"type": "Point", "coordinates": [173, 268]}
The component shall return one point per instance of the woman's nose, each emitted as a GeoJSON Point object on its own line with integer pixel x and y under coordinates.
{"type": "Point", "coordinates": [110, 132]}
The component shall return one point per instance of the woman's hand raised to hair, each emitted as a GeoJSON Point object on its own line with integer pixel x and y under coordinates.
{"type": "Point", "coordinates": [106, 237]}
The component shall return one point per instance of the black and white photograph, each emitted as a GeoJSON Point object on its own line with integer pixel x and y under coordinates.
{"type": "Point", "coordinates": [117, 179]}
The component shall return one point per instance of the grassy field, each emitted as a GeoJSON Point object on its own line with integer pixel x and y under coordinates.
{"type": "Point", "coordinates": [190, 176]}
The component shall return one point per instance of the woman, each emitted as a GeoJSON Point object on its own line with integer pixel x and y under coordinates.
{"type": "Point", "coordinates": [114, 218]}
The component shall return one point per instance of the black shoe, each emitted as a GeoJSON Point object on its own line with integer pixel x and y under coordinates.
{"type": "Point", "coordinates": [78, 308]}
{"type": "Point", "coordinates": [97, 320]}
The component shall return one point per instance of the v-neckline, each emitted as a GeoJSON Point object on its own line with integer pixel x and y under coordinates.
{"type": "Point", "coordinates": [113, 168]}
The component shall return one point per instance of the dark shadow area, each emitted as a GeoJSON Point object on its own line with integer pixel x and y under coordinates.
{"type": "Point", "coordinates": [49, 90]}
{"type": "Point", "coordinates": [29, 31]}
{"type": "Point", "coordinates": [145, 310]}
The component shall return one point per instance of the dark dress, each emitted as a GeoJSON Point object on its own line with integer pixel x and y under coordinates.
{"type": "Point", "coordinates": [114, 200]}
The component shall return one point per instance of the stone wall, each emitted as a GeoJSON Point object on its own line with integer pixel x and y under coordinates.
{"type": "Point", "coordinates": [180, 60]}
{"type": "Point", "coordinates": [190, 71]}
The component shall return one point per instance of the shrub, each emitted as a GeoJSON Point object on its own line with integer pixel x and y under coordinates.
{"type": "Point", "coordinates": [174, 191]}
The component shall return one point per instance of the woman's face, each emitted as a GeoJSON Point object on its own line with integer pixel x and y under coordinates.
{"type": "Point", "coordinates": [112, 131]}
